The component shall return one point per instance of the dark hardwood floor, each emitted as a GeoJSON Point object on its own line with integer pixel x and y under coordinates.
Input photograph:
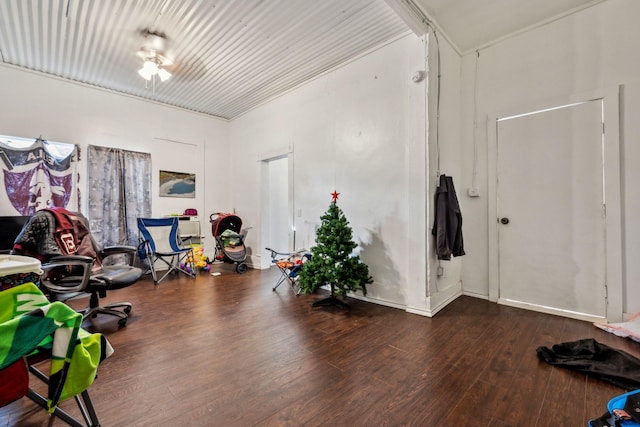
{"type": "Point", "coordinates": [228, 351]}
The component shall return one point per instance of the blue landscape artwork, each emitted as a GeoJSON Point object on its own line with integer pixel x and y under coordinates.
{"type": "Point", "coordinates": [177, 184]}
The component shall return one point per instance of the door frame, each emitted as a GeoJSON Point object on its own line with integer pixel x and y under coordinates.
{"type": "Point", "coordinates": [612, 189]}
{"type": "Point", "coordinates": [264, 159]}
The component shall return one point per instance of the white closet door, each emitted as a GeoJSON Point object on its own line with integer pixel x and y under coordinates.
{"type": "Point", "coordinates": [550, 204]}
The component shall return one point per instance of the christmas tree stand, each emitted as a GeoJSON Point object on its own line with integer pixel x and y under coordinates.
{"type": "Point", "coordinates": [331, 301]}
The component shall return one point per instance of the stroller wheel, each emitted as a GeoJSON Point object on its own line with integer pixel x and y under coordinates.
{"type": "Point", "coordinates": [241, 268]}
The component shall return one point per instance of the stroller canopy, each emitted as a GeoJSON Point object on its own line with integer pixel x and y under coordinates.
{"type": "Point", "coordinates": [225, 222]}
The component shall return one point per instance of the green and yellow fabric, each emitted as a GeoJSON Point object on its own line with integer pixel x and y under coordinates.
{"type": "Point", "coordinates": [30, 323]}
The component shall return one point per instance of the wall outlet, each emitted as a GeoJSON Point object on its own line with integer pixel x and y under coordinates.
{"type": "Point", "coordinates": [473, 192]}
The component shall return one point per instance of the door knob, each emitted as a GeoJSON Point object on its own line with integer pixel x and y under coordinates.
{"type": "Point", "coordinates": [504, 221]}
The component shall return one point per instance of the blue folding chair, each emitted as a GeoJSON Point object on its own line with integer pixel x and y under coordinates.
{"type": "Point", "coordinates": [289, 264]}
{"type": "Point", "coordinates": [160, 241]}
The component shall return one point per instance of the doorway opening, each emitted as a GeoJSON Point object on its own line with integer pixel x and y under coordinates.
{"type": "Point", "coordinates": [278, 230]}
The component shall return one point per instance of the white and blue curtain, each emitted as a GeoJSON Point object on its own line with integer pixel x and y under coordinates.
{"type": "Point", "coordinates": [119, 193]}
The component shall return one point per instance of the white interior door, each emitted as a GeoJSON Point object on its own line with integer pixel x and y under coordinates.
{"type": "Point", "coordinates": [550, 211]}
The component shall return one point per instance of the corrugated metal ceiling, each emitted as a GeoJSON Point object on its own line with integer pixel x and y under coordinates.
{"type": "Point", "coordinates": [229, 55]}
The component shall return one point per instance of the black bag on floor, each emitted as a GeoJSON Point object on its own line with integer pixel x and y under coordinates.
{"type": "Point", "coordinates": [595, 359]}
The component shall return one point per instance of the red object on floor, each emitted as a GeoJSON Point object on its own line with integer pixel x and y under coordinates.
{"type": "Point", "coordinates": [14, 382]}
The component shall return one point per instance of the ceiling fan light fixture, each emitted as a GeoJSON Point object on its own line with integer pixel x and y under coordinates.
{"type": "Point", "coordinates": [152, 68]}
{"type": "Point", "coordinates": [145, 74]}
{"type": "Point", "coordinates": [148, 70]}
{"type": "Point", "coordinates": [154, 57]}
{"type": "Point", "coordinates": [163, 74]}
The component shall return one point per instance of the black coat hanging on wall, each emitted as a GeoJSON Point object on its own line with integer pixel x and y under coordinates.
{"type": "Point", "coordinates": [447, 224]}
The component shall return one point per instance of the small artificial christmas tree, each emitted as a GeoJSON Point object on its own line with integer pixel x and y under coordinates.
{"type": "Point", "coordinates": [332, 262]}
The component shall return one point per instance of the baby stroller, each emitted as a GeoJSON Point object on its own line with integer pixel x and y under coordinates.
{"type": "Point", "coordinates": [230, 248]}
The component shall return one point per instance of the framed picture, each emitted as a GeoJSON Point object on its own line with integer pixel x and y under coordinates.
{"type": "Point", "coordinates": [177, 184]}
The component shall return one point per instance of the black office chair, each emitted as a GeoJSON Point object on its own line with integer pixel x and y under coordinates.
{"type": "Point", "coordinates": [10, 227]}
{"type": "Point", "coordinates": [83, 272]}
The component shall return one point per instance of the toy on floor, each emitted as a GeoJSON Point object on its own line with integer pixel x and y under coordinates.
{"type": "Point", "coordinates": [200, 261]}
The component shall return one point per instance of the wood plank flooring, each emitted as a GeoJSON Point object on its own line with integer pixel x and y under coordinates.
{"type": "Point", "coordinates": [228, 351]}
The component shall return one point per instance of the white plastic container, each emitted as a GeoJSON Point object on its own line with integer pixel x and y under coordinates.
{"type": "Point", "coordinates": [17, 269]}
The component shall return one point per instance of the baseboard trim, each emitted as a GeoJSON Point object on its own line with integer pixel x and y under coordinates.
{"type": "Point", "coordinates": [377, 301]}
{"type": "Point", "coordinates": [476, 295]}
{"type": "Point", "coordinates": [551, 310]}
{"type": "Point", "coordinates": [435, 305]}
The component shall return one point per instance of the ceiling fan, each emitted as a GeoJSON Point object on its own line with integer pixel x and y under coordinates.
{"type": "Point", "coordinates": [153, 53]}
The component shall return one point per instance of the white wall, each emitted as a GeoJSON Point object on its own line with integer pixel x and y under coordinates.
{"type": "Point", "coordinates": [37, 105]}
{"type": "Point", "coordinates": [590, 50]}
{"type": "Point", "coordinates": [444, 158]}
{"type": "Point", "coordinates": [361, 131]}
